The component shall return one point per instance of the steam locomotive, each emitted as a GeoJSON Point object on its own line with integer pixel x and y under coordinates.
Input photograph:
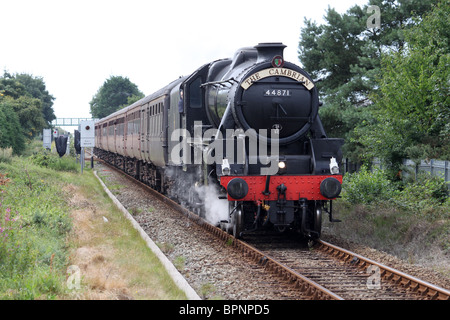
{"type": "Point", "coordinates": [240, 138]}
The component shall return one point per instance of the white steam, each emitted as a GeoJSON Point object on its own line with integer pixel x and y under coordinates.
{"type": "Point", "coordinates": [216, 209]}
{"type": "Point", "coordinates": [186, 190]}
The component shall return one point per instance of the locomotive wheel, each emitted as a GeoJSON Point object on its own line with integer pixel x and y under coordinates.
{"type": "Point", "coordinates": [317, 221]}
{"type": "Point", "coordinates": [237, 221]}
{"type": "Point", "coordinates": [312, 226]}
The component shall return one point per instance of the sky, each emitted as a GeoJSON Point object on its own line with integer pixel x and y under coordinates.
{"type": "Point", "coordinates": [75, 46]}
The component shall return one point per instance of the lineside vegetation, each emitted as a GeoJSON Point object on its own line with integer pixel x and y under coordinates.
{"type": "Point", "coordinates": [40, 238]}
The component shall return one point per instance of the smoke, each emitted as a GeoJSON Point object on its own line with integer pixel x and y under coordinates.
{"type": "Point", "coordinates": [187, 191]}
{"type": "Point", "coordinates": [216, 209]}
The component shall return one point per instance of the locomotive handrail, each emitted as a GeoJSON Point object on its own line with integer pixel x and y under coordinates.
{"type": "Point", "coordinates": [219, 83]}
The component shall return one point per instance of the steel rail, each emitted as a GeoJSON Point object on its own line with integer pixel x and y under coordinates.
{"type": "Point", "coordinates": [405, 280]}
{"type": "Point", "coordinates": [305, 285]}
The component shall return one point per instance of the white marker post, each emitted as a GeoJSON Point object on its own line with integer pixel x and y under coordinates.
{"type": "Point", "coordinates": [87, 137]}
{"type": "Point", "coordinates": [47, 138]}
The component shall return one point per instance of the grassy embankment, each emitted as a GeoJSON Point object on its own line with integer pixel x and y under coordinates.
{"type": "Point", "coordinates": [52, 226]}
{"type": "Point", "coordinates": [53, 232]}
{"type": "Point", "coordinates": [409, 219]}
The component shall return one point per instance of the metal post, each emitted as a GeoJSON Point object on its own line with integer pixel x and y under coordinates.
{"type": "Point", "coordinates": [82, 160]}
{"type": "Point", "coordinates": [446, 172]}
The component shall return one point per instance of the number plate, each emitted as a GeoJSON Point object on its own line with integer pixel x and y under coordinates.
{"type": "Point", "coordinates": [277, 93]}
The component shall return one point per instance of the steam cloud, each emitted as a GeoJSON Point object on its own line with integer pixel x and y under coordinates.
{"type": "Point", "coordinates": [216, 209]}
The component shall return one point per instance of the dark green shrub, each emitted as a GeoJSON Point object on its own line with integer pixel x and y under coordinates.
{"type": "Point", "coordinates": [49, 160]}
{"type": "Point", "coordinates": [367, 187]}
{"type": "Point", "coordinates": [427, 194]}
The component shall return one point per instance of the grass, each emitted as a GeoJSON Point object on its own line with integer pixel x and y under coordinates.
{"type": "Point", "coordinates": [208, 291]}
{"type": "Point", "coordinates": [408, 218]}
{"type": "Point", "coordinates": [121, 263]}
{"type": "Point", "coordinates": [51, 220]}
{"type": "Point", "coordinates": [412, 237]}
{"type": "Point", "coordinates": [34, 222]}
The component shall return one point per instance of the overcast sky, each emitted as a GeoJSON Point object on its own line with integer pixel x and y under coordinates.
{"type": "Point", "coordinates": [76, 45]}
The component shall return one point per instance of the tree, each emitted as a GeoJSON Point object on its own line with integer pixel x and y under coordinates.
{"type": "Point", "coordinates": [25, 95]}
{"type": "Point", "coordinates": [344, 51]}
{"type": "Point", "coordinates": [413, 96]}
{"type": "Point", "coordinates": [29, 112]}
{"type": "Point", "coordinates": [11, 134]}
{"type": "Point", "coordinates": [35, 88]}
{"type": "Point", "coordinates": [345, 54]}
{"type": "Point", "coordinates": [112, 95]}
{"type": "Point", "coordinates": [328, 51]}
{"type": "Point", "coordinates": [10, 87]}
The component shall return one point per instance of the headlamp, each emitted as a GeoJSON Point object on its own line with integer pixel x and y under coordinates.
{"type": "Point", "coordinates": [334, 167]}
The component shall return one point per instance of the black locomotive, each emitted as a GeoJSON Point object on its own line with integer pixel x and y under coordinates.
{"type": "Point", "coordinates": [245, 130]}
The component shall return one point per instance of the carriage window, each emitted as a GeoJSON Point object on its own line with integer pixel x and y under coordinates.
{"type": "Point", "coordinates": [195, 93]}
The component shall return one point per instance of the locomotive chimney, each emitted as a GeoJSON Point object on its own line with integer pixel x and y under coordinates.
{"type": "Point", "coordinates": [267, 51]}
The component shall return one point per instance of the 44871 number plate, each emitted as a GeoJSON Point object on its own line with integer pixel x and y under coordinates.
{"type": "Point", "coordinates": [277, 93]}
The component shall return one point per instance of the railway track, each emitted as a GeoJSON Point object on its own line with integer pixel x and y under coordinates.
{"type": "Point", "coordinates": [347, 274]}
{"type": "Point", "coordinates": [323, 271]}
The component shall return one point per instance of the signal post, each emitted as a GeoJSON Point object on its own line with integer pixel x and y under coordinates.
{"type": "Point", "coordinates": [87, 138]}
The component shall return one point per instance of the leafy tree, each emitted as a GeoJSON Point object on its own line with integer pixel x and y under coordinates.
{"type": "Point", "coordinates": [328, 51]}
{"type": "Point", "coordinates": [113, 94]}
{"type": "Point", "coordinates": [11, 134]}
{"type": "Point", "coordinates": [35, 88]}
{"type": "Point", "coordinates": [10, 87]}
{"type": "Point", "coordinates": [397, 16]}
{"type": "Point", "coordinates": [413, 97]}
{"type": "Point", "coordinates": [25, 95]}
{"type": "Point", "coordinates": [346, 56]}
{"type": "Point", "coordinates": [130, 100]}
{"type": "Point", "coordinates": [344, 51]}
{"type": "Point", "coordinates": [29, 112]}
{"type": "Point", "coordinates": [414, 82]}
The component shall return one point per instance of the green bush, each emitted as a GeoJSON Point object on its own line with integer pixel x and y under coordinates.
{"type": "Point", "coordinates": [43, 159]}
{"type": "Point", "coordinates": [427, 194]}
{"type": "Point", "coordinates": [6, 155]}
{"type": "Point", "coordinates": [65, 163]}
{"type": "Point", "coordinates": [49, 160]}
{"type": "Point", "coordinates": [367, 187]}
